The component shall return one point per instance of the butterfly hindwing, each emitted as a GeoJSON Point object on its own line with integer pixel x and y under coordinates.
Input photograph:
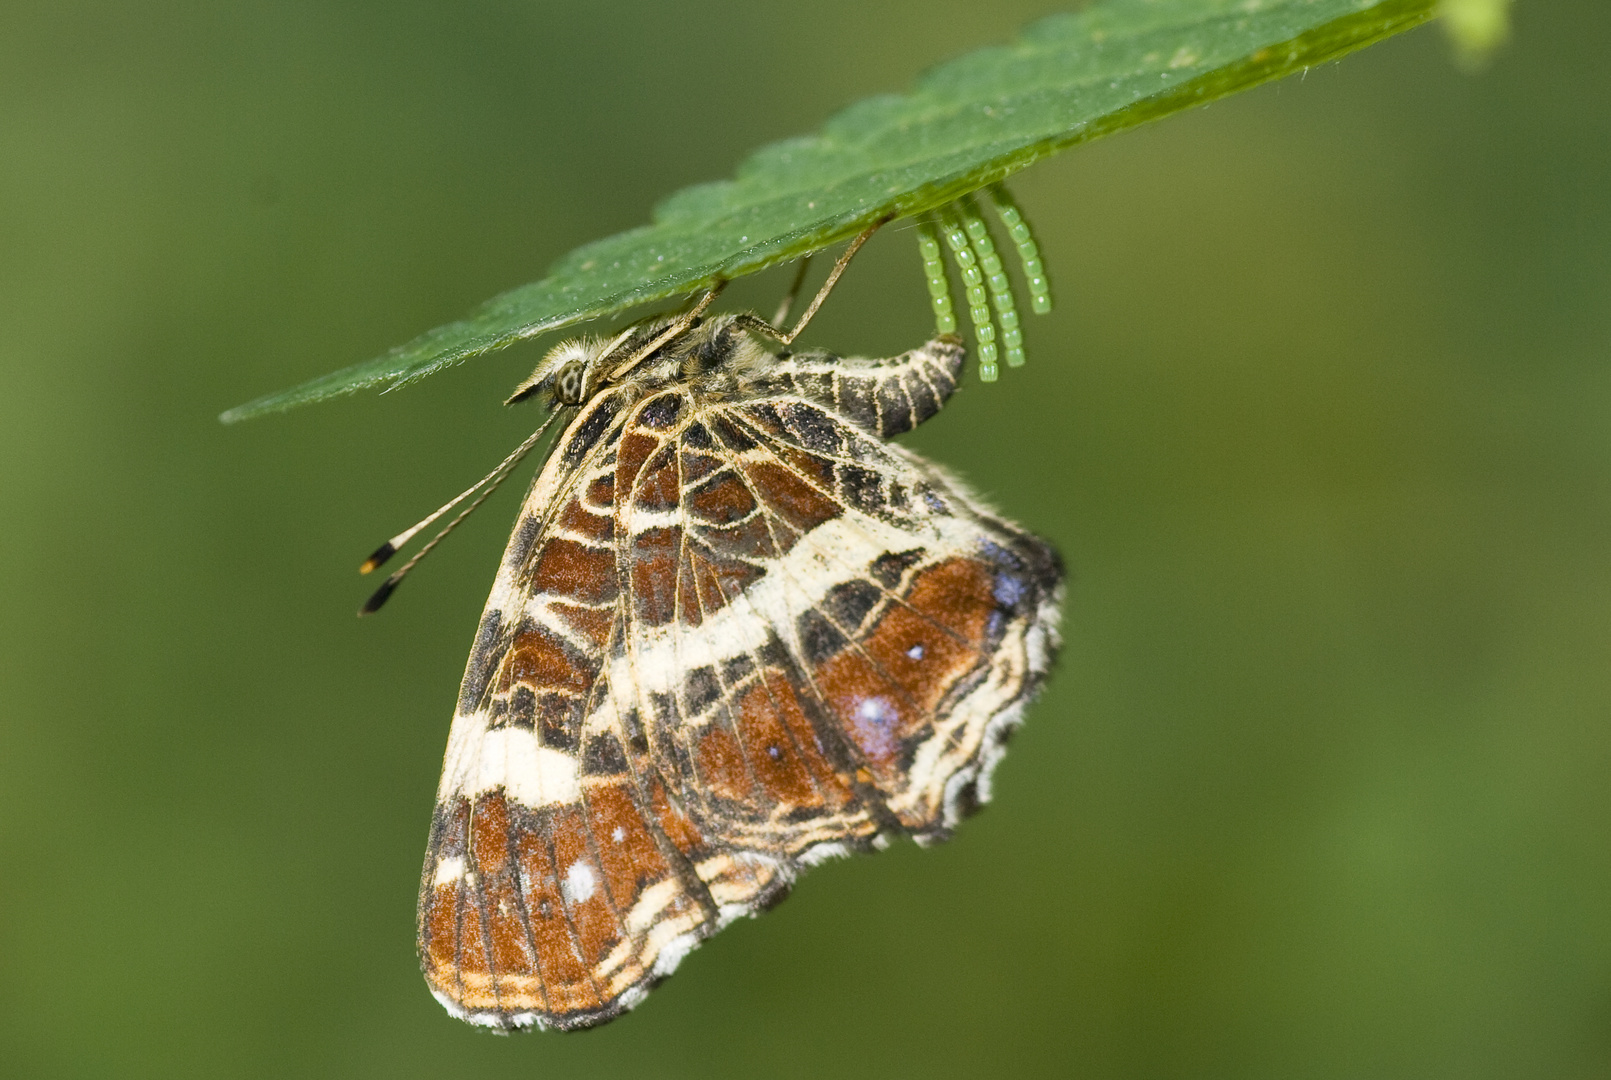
{"type": "Point", "coordinates": [921, 621]}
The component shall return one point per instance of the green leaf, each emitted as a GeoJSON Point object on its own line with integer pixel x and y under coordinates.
{"type": "Point", "coordinates": [968, 123]}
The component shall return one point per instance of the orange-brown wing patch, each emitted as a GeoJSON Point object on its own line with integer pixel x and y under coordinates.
{"type": "Point", "coordinates": [753, 767]}
{"type": "Point", "coordinates": [560, 917]}
{"type": "Point", "coordinates": [886, 677]}
{"type": "Point", "coordinates": [920, 657]}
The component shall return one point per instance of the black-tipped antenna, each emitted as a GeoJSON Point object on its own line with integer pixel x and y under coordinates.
{"type": "Point", "coordinates": [390, 547]}
{"type": "Point", "coordinates": [382, 594]}
{"type": "Point", "coordinates": [490, 482]}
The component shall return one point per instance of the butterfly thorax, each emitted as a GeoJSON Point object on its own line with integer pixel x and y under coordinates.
{"type": "Point", "coordinates": [713, 358]}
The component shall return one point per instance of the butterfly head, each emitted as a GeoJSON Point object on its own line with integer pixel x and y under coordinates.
{"type": "Point", "coordinates": [568, 375]}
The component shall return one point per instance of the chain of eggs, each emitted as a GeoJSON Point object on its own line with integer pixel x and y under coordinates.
{"type": "Point", "coordinates": [966, 236]}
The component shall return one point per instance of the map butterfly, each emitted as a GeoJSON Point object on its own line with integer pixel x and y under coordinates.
{"type": "Point", "coordinates": [735, 631]}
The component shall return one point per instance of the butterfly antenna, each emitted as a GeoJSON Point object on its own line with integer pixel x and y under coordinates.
{"type": "Point", "coordinates": [486, 485]}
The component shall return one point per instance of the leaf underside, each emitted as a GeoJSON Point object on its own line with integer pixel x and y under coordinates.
{"type": "Point", "coordinates": [971, 122]}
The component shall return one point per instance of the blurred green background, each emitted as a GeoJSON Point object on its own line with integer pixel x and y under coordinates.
{"type": "Point", "coordinates": [1322, 425]}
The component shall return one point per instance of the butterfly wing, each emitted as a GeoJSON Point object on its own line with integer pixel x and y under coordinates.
{"type": "Point", "coordinates": [830, 637]}
{"type": "Point", "coordinates": [730, 636]}
{"type": "Point", "coordinates": [554, 881]}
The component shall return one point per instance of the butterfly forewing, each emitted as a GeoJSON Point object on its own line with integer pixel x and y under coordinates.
{"type": "Point", "coordinates": [734, 631]}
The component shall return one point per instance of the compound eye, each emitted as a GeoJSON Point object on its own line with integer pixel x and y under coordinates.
{"type": "Point", "coordinates": [569, 382]}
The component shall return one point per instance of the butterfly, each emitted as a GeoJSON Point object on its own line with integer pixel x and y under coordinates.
{"type": "Point", "coordinates": [735, 632]}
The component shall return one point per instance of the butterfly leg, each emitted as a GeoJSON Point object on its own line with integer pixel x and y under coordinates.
{"type": "Point", "coordinates": [758, 325]}
{"type": "Point", "coordinates": [794, 291]}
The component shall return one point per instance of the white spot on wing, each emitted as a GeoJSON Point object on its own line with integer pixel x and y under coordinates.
{"type": "Point", "coordinates": [448, 871]}
{"type": "Point", "coordinates": [874, 723]}
{"type": "Point", "coordinates": [579, 883]}
{"type": "Point", "coordinates": [876, 710]}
